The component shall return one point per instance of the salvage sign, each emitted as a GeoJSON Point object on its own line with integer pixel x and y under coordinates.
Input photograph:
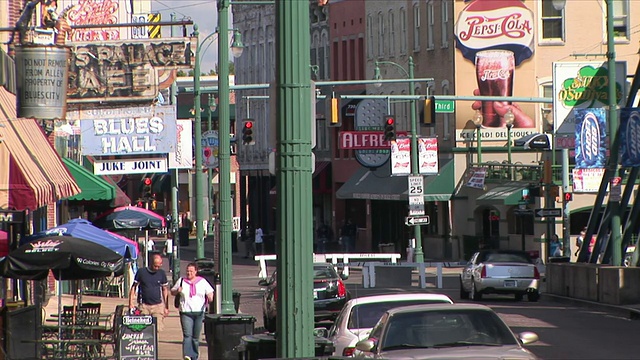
{"type": "Point", "coordinates": [364, 140]}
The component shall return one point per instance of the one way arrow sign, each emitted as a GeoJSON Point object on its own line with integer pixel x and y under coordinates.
{"type": "Point", "coordinates": [548, 212]}
{"type": "Point", "coordinates": [417, 220]}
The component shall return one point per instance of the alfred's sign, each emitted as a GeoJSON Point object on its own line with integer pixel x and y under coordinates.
{"type": "Point", "coordinates": [364, 140]}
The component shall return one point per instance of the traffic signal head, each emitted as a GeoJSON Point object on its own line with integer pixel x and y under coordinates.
{"type": "Point", "coordinates": [147, 185]}
{"type": "Point", "coordinates": [389, 128]}
{"type": "Point", "coordinates": [334, 113]}
{"type": "Point", "coordinates": [429, 111]}
{"type": "Point", "coordinates": [568, 196]}
{"type": "Point", "coordinates": [247, 133]}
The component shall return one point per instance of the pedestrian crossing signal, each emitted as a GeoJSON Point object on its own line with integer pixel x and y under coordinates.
{"type": "Point", "coordinates": [429, 117]}
{"type": "Point", "coordinates": [568, 196]}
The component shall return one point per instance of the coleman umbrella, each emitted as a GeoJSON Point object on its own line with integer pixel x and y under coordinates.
{"type": "Point", "coordinates": [83, 229]}
{"type": "Point", "coordinates": [70, 258]}
{"type": "Point", "coordinates": [129, 218]}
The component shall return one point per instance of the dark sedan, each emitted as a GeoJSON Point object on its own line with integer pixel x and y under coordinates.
{"type": "Point", "coordinates": [329, 295]}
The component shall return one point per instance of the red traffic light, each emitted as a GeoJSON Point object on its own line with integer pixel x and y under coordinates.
{"type": "Point", "coordinates": [146, 181]}
{"type": "Point", "coordinates": [390, 121]}
{"type": "Point", "coordinates": [248, 124]}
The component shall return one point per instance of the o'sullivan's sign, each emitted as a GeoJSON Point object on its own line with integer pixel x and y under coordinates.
{"type": "Point", "coordinates": [127, 131]}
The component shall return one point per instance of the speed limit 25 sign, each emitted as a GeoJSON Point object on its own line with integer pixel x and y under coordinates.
{"type": "Point", "coordinates": [416, 185]}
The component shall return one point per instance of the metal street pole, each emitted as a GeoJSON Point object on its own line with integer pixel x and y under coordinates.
{"type": "Point", "coordinates": [175, 262]}
{"type": "Point", "coordinates": [201, 210]}
{"type": "Point", "coordinates": [566, 210]}
{"type": "Point", "coordinates": [293, 168]}
{"type": "Point", "coordinates": [417, 230]}
{"type": "Point", "coordinates": [224, 159]}
{"type": "Point", "coordinates": [614, 204]}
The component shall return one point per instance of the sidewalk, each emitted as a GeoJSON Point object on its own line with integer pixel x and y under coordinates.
{"type": "Point", "coordinates": [169, 340]}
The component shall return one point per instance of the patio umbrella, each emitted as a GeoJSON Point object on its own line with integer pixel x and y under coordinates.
{"type": "Point", "coordinates": [70, 258]}
{"type": "Point", "coordinates": [129, 218]}
{"type": "Point", "coordinates": [83, 229]}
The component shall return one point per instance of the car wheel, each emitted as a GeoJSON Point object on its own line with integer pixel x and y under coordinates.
{"type": "Point", "coordinates": [519, 297]}
{"type": "Point", "coordinates": [475, 295]}
{"type": "Point", "coordinates": [463, 294]}
{"type": "Point", "coordinates": [533, 296]}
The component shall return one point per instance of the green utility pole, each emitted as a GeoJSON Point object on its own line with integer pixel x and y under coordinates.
{"type": "Point", "coordinates": [175, 270]}
{"type": "Point", "coordinates": [616, 239]}
{"type": "Point", "coordinates": [417, 230]}
{"type": "Point", "coordinates": [414, 140]}
{"type": "Point", "coordinates": [201, 210]}
{"type": "Point", "coordinates": [224, 159]}
{"type": "Point", "coordinates": [293, 174]}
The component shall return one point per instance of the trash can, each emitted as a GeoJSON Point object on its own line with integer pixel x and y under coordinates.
{"type": "Point", "coordinates": [183, 236]}
{"type": "Point", "coordinates": [263, 346]}
{"type": "Point", "coordinates": [224, 332]}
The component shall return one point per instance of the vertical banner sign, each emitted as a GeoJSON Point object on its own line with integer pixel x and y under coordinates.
{"type": "Point", "coordinates": [401, 156]}
{"type": "Point", "coordinates": [591, 138]}
{"type": "Point", "coordinates": [476, 178]}
{"type": "Point", "coordinates": [581, 85]}
{"type": "Point", "coordinates": [428, 155]}
{"type": "Point", "coordinates": [182, 158]}
{"type": "Point", "coordinates": [630, 137]}
{"type": "Point", "coordinates": [210, 149]}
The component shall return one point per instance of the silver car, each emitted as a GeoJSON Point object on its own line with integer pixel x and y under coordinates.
{"type": "Point", "coordinates": [444, 331]}
{"type": "Point", "coordinates": [500, 272]}
{"type": "Point", "coordinates": [359, 315]}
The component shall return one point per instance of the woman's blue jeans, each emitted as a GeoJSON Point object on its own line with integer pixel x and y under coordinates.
{"type": "Point", "coordinates": [191, 329]}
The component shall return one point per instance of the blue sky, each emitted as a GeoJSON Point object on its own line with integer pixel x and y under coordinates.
{"type": "Point", "coordinates": [202, 12]}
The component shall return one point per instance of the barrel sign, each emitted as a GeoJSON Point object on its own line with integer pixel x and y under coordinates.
{"type": "Point", "coordinates": [590, 138]}
{"type": "Point", "coordinates": [42, 76]}
{"type": "Point", "coordinates": [630, 137]}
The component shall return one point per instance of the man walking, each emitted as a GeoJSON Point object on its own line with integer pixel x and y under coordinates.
{"type": "Point", "coordinates": [150, 291]}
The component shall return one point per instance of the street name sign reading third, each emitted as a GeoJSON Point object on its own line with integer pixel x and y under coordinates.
{"type": "Point", "coordinates": [548, 212]}
{"type": "Point", "coordinates": [417, 220]}
{"type": "Point", "coordinates": [445, 106]}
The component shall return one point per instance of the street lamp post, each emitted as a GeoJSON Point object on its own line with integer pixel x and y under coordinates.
{"type": "Point", "coordinates": [224, 153]}
{"type": "Point", "coordinates": [224, 162]}
{"type": "Point", "coordinates": [477, 121]}
{"type": "Point", "coordinates": [419, 253]}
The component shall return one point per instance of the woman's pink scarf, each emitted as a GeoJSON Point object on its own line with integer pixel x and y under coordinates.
{"type": "Point", "coordinates": [192, 285]}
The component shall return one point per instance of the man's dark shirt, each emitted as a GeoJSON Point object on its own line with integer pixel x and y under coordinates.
{"type": "Point", "coordinates": [150, 286]}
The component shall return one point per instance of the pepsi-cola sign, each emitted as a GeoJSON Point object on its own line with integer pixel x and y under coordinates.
{"type": "Point", "coordinates": [590, 138]}
{"type": "Point", "coordinates": [630, 137]}
{"type": "Point", "coordinates": [504, 25]}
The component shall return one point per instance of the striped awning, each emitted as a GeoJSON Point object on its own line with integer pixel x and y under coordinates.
{"type": "Point", "coordinates": [36, 176]}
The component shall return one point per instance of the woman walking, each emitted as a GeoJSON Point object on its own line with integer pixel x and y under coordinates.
{"type": "Point", "coordinates": [195, 292]}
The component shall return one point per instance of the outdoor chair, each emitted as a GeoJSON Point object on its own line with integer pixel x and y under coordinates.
{"type": "Point", "coordinates": [109, 337]}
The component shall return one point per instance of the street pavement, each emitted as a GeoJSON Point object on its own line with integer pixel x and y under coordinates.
{"type": "Point", "coordinates": [245, 281]}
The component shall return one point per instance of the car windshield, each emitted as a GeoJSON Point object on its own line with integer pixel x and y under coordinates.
{"type": "Point", "coordinates": [365, 316]}
{"type": "Point", "coordinates": [446, 328]}
{"type": "Point", "coordinates": [505, 257]}
{"type": "Point", "coordinates": [324, 272]}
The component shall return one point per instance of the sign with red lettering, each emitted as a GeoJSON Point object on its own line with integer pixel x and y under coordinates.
{"type": "Point", "coordinates": [364, 140]}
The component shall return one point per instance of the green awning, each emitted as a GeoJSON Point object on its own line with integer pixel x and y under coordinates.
{"type": "Point", "coordinates": [93, 187]}
{"type": "Point", "coordinates": [380, 185]}
{"type": "Point", "coordinates": [507, 194]}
